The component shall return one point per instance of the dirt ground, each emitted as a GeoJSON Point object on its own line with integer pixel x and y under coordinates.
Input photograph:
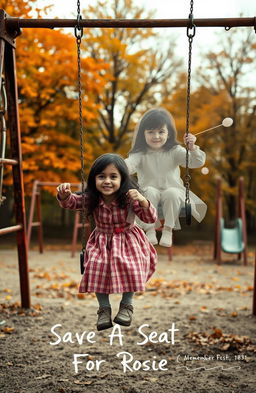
{"type": "Point", "coordinates": [193, 329]}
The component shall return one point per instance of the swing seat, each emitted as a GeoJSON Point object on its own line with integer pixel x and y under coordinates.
{"type": "Point", "coordinates": [232, 238]}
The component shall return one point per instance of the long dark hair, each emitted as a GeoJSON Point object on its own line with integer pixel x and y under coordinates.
{"type": "Point", "coordinates": [152, 120]}
{"type": "Point", "coordinates": [126, 181]}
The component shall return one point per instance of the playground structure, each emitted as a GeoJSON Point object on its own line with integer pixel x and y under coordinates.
{"type": "Point", "coordinates": [10, 29]}
{"type": "Point", "coordinates": [35, 207]}
{"type": "Point", "coordinates": [9, 82]}
{"type": "Point", "coordinates": [230, 240]}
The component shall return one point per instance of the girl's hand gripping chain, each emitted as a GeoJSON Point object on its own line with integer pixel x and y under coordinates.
{"type": "Point", "coordinates": [64, 190]}
{"type": "Point", "coordinates": [189, 141]}
{"type": "Point", "coordinates": [135, 195]}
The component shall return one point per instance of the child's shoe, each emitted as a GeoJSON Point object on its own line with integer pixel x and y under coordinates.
{"type": "Point", "coordinates": [151, 235]}
{"type": "Point", "coordinates": [124, 315]}
{"type": "Point", "coordinates": [104, 318]}
{"type": "Point", "coordinates": [166, 239]}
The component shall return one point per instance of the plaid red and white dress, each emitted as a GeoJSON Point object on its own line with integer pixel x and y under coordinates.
{"type": "Point", "coordinates": [118, 257]}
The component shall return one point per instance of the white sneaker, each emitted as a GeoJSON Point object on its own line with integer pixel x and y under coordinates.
{"type": "Point", "coordinates": [151, 235]}
{"type": "Point", "coordinates": [166, 239]}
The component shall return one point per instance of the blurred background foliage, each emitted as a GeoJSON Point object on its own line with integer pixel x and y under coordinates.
{"type": "Point", "coordinates": [124, 73]}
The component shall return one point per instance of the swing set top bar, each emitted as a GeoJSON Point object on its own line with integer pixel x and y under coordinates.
{"type": "Point", "coordinates": [17, 23]}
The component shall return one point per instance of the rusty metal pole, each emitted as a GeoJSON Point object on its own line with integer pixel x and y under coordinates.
{"type": "Point", "coordinates": [18, 185]}
{"type": "Point", "coordinates": [31, 212]}
{"type": "Point", "coordinates": [254, 289]}
{"type": "Point", "coordinates": [39, 218]}
{"type": "Point", "coordinates": [241, 213]}
{"type": "Point", "coordinates": [218, 213]}
{"type": "Point", "coordinates": [18, 23]}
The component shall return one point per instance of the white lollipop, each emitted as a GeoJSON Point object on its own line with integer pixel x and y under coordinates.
{"type": "Point", "coordinates": [227, 122]}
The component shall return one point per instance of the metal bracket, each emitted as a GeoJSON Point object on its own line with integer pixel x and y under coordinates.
{"type": "Point", "coordinates": [8, 35]}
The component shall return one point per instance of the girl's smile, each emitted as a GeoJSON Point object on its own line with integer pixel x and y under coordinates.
{"type": "Point", "coordinates": [108, 182]}
{"type": "Point", "coordinates": [156, 138]}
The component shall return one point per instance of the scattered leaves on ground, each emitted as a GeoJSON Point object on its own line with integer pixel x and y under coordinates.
{"type": "Point", "coordinates": [15, 308]}
{"type": "Point", "coordinates": [223, 341]}
{"type": "Point", "coordinates": [175, 288]}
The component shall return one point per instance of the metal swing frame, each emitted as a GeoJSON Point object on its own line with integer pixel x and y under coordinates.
{"type": "Point", "coordinates": [10, 29]}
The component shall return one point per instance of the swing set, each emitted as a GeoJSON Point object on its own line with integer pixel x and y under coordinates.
{"type": "Point", "coordinates": [10, 29]}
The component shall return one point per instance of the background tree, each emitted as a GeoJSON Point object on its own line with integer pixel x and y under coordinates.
{"type": "Point", "coordinates": [135, 72]}
{"type": "Point", "coordinates": [229, 76]}
{"type": "Point", "coordinates": [48, 105]}
{"type": "Point", "coordinates": [222, 87]}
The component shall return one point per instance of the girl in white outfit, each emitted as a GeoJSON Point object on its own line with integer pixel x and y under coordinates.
{"type": "Point", "coordinates": [156, 157]}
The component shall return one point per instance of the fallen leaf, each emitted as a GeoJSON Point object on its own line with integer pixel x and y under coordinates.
{"type": "Point", "coordinates": [217, 333]}
{"type": "Point", "coordinates": [77, 382]}
{"type": "Point", "coordinates": [225, 347]}
{"type": "Point", "coordinates": [204, 309]}
{"type": "Point", "coordinates": [80, 295]}
{"type": "Point", "coordinates": [8, 330]}
{"type": "Point", "coordinates": [44, 376]}
{"type": "Point", "coordinates": [37, 306]}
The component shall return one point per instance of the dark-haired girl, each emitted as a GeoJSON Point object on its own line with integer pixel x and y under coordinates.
{"type": "Point", "coordinates": [119, 257]}
{"type": "Point", "coordinates": [156, 157]}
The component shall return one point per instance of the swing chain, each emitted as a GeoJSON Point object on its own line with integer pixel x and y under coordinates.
{"type": "Point", "coordinates": [79, 34]}
{"type": "Point", "coordinates": [187, 177]}
{"type": "Point", "coordinates": [3, 110]}
{"type": "Point", "coordinates": [191, 25]}
{"type": "Point", "coordinates": [78, 28]}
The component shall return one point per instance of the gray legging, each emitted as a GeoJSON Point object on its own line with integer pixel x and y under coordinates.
{"type": "Point", "coordinates": [103, 298]}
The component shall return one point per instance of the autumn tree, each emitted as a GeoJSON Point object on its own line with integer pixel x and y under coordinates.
{"type": "Point", "coordinates": [48, 100]}
{"type": "Point", "coordinates": [228, 75]}
{"type": "Point", "coordinates": [18, 8]}
{"type": "Point", "coordinates": [222, 87]}
{"type": "Point", "coordinates": [137, 67]}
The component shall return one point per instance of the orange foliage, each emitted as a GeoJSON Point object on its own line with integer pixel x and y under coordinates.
{"type": "Point", "coordinates": [222, 90]}
{"type": "Point", "coordinates": [48, 101]}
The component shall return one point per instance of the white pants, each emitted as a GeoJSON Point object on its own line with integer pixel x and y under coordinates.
{"type": "Point", "coordinates": [171, 200]}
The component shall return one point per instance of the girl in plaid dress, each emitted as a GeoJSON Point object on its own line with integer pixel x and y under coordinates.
{"type": "Point", "coordinates": [118, 258]}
